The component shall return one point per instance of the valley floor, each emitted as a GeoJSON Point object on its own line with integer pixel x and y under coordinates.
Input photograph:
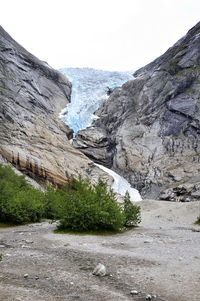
{"type": "Point", "coordinates": [161, 257]}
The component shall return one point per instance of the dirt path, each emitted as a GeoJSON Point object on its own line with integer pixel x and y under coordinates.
{"type": "Point", "coordinates": [161, 257]}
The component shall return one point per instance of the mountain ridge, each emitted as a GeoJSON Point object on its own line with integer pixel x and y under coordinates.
{"type": "Point", "coordinates": [150, 126]}
{"type": "Point", "coordinates": [32, 137]}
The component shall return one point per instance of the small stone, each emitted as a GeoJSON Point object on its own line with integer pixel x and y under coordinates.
{"type": "Point", "coordinates": [29, 241]}
{"type": "Point", "coordinates": [148, 297]}
{"type": "Point", "coordinates": [36, 277]}
{"type": "Point", "coordinates": [25, 275]}
{"type": "Point", "coordinates": [71, 283]}
{"type": "Point", "coordinates": [134, 292]}
{"type": "Point", "coordinates": [100, 270]}
{"type": "Point", "coordinates": [147, 241]}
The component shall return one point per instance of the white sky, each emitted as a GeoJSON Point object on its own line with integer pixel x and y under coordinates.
{"type": "Point", "coordinates": [102, 34]}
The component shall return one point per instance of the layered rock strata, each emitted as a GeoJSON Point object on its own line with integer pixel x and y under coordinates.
{"type": "Point", "coordinates": [32, 137]}
{"type": "Point", "coordinates": [149, 129]}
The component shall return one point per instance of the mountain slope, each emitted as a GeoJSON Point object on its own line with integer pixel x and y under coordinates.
{"type": "Point", "coordinates": [149, 129]}
{"type": "Point", "coordinates": [32, 137]}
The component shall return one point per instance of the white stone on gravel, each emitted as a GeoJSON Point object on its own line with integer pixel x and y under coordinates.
{"type": "Point", "coordinates": [100, 270]}
{"type": "Point", "coordinates": [29, 241]}
{"type": "Point", "coordinates": [134, 292]}
{"type": "Point", "coordinates": [148, 297]}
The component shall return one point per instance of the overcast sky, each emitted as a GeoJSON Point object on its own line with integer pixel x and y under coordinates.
{"type": "Point", "coordinates": [102, 34]}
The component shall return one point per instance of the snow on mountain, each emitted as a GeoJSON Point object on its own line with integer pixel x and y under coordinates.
{"type": "Point", "coordinates": [89, 89]}
{"type": "Point", "coordinates": [121, 185]}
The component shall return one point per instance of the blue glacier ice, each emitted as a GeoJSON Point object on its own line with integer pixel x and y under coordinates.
{"type": "Point", "coordinates": [89, 90]}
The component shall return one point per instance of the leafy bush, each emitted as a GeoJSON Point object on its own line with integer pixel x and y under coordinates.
{"type": "Point", "coordinates": [90, 208]}
{"type": "Point", "coordinates": [131, 212]}
{"type": "Point", "coordinates": [198, 221]}
{"type": "Point", "coordinates": [1, 256]}
{"type": "Point", "coordinates": [19, 202]}
{"type": "Point", "coordinates": [78, 205]}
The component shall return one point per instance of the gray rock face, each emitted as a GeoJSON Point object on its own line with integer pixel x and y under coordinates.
{"type": "Point", "coordinates": [151, 125]}
{"type": "Point", "coordinates": [32, 137]}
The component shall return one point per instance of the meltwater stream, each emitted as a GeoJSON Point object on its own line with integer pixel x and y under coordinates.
{"type": "Point", "coordinates": [89, 90]}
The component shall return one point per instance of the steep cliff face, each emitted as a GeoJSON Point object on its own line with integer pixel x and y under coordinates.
{"type": "Point", "coordinates": [149, 129]}
{"type": "Point", "coordinates": [32, 137]}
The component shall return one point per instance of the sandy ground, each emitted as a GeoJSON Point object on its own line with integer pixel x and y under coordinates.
{"type": "Point", "coordinates": [161, 257]}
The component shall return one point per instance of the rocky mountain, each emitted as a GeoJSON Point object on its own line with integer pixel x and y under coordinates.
{"type": "Point", "coordinates": [32, 137]}
{"type": "Point", "coordinates": [149, 129]}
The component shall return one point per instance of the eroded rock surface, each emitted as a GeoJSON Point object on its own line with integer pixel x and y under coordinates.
{"type": "Point", "coordinates": [32, 137]}
{"type": "Point", "coordinates": [150, 127]}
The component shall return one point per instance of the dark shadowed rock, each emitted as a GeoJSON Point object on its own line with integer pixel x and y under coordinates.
{"type": "Point", "coordinates": [152, 123]}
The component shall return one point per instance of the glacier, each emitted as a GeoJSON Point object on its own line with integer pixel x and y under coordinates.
{"type": "Point", "coordinates": [90, 87]}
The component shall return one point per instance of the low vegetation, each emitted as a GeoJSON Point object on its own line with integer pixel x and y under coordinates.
{"type": "Point", "coordinates": [198, 221]}
{"type": "Point", "coordinates": [78, 205]}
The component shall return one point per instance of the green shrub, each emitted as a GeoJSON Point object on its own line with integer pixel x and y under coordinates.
{"type": "Point", "coordinates": [79, 205]}
{"type": "Point", "coordinates": [1, 256]}
{"type": "Point", "coordinates": [198, 221]}
{"type": "Point", "coordinates": [131, 212]}
{"type": "Point", "coordinates": [24, 207]}
{"type": "Point", "coordinates": [54, 200]}
{"type": "Point", "coordinates": [89, 208]}
{"type": "Point", "coordinates": [19, 202]}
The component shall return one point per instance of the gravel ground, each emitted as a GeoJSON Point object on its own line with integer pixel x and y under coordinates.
{"type": "Point", "coordinates": [161, 257]}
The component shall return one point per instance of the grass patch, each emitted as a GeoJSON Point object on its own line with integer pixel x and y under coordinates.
{"type": "Point", "coordinates": [92, 232]}
{"type": "Point", "coordinates": [198, 221]}
{"type": "Point", "coordinates": [5, 225]}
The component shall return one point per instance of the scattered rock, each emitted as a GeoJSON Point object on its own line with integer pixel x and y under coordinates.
{"type": "Point", "coordinates": [100, 270]}
{"type": "Point", "coordinates": [148, 297]}
{"type": "Point", "coordinates": [29, 241]}
{"type": "Point", "coordinates": [25, 275]}
{"type": "Point", "coordinates": [25, 247]}
{"type": "Point", "coordinates": [134, 292]}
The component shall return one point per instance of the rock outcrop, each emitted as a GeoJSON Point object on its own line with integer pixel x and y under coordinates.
{"type": "Point", "coordinates": [32, 137]}
{"type": "Point", "coordinates": [149, 129]}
